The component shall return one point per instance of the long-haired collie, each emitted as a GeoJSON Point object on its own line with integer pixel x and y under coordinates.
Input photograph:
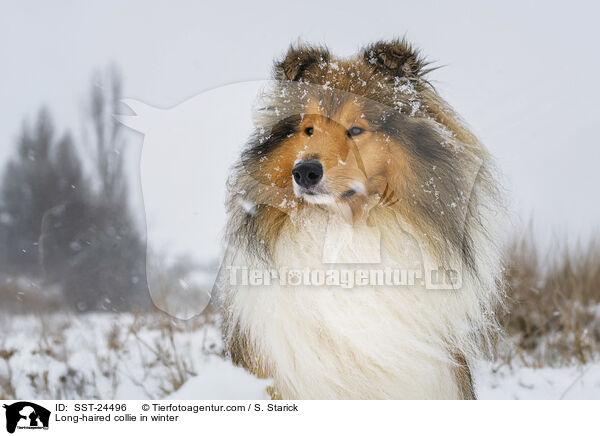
{"type": "Point", "coordinates": [362, 259]}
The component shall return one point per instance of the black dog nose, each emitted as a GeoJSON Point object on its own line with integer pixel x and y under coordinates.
{"type": "Point", "coordinates": [308, 173]}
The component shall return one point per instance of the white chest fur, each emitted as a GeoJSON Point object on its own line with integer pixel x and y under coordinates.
{"type": "Point", "coordinates": [370, 341]}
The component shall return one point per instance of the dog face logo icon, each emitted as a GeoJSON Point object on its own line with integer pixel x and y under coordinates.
{"type": "Point", "coordinates": [25, 415]}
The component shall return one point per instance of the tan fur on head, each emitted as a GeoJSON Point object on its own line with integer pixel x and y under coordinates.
{"type": "Point", "coordinates": [403, 182]}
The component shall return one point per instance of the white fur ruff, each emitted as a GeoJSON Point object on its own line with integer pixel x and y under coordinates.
{"type": "Point", "coordinates": [366, 342]}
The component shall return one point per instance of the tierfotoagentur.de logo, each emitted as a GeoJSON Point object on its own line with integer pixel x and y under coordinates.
{"type": "Point", "coordinates": [26, 415]}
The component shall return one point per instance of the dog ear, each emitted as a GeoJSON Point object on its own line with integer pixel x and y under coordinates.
{"type": "Point", "coordinates": [297, 60]}
{"type": "Point", "coordinates": [396, 58]}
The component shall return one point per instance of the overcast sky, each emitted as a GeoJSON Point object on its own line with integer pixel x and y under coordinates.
{"type": "Point", "coordinates": [523, 75]}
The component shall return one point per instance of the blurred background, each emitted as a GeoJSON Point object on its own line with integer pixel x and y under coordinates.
{"type": "Point", "coordinates": [72, 218]}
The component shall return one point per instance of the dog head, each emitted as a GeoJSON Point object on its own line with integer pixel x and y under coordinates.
{"type": "Point", "coordinates": [358, 133]}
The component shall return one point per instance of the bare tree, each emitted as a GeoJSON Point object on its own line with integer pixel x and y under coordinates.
{"type": "Point", "coordinates": [111, 272]}
{"type": "Point", "coordinates": [69, 228]}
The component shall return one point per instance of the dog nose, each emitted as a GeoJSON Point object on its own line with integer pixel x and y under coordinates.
{"type": "Point", "coordinates": [308, 173]}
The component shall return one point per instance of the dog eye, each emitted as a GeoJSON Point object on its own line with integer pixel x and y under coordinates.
{"type": "Point", "coordinates": [309, 131]}
{"type": "Point", "coordinates": [354, 131]}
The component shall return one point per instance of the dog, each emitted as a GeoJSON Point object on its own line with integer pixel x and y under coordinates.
{"type": "Point", "coordinates": [358, 165]}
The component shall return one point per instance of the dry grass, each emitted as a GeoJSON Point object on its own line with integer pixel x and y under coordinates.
{"type": "Point", "coordinates": [27, 295]}
{"type": "Point", "coordinates": [91, 356]}
{"type": "Point", "coordinates": [7, 388]}
{"type": "Point", "coordinates": [552, 316]}
{"type": "Point", "coordinates": [163, 350]}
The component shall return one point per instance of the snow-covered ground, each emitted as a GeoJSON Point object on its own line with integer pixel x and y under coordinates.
{"type": "Point", "coordinates": [223, 381]}
{"type": "Point", "coordinates": [103, 355]}
{"type": "Point", "coordinates": [496, 382]}
{"type": "Point", "coordinates": [154, 356]}
{"type": "Point", "coordinates": [219, 379]}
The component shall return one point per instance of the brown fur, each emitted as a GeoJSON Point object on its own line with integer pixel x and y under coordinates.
{"type": "Point", "coordinates": [462, 372]}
